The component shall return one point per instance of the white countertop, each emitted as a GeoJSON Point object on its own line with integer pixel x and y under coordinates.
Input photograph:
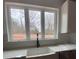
{"type": "Point", "coordinates": [24, 52]}
{"type": "Point", "coordinates": [64, 47]}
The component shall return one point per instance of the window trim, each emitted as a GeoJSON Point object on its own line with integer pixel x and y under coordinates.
{"type": "Point", "coordinates": [42, 22]}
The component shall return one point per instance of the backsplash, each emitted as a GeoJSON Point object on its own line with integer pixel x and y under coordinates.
{"type": "Point", "coordinates": [72, 38]}
{"type": "Point", "coordinates": [68, 38]}
{"type": "Point", "coordinates": [64, 38]}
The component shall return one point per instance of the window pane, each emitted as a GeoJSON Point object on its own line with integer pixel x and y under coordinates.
{"type": "Point", "coordinates": [17, 25]}
{"type": "Point", "coordinates": [35, 24]}
{"type": "Point", "coordinates": [49, 25]}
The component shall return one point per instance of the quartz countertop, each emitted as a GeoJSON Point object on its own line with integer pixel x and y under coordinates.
{"type": "Point", "coordinates": [23, 52]}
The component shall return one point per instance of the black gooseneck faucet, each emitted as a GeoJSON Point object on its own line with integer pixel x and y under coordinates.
{"type": "Point", "coordinates": [38, 44]}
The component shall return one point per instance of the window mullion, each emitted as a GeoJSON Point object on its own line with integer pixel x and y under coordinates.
{"type": "Point", "coordinates": [27, 24]}
{"type": "Point", "coordinates": [55, 25]}
{"type": "Point", "coordinates": [43, 24]}
{"type": "Point", "coordinates": [9, 25]}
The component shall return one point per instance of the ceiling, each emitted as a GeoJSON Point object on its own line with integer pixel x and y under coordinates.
{"type": "Point", "coordinates": [73, 0]}
{"type": "Point", "coordinates": [49, 3]}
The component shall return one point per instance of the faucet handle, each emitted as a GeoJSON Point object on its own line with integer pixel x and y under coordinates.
{"type": "Point", "coordinates": [37, 34]}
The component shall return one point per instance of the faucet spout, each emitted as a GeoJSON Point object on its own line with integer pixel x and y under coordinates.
{"type": "Point", "coordinates": [38, 44]}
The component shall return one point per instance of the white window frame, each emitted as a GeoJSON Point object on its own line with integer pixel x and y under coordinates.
{"type": "Point", "coordinates": [33, 42]}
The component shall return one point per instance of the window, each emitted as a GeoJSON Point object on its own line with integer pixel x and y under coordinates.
{"type": "Point", "coordinates": [25, 21]}
{"type": "Point", "coordinates": [49, 25]}
{"type": "Point", "coordinates": [17, 25]}
{"type": "Point", "coordinates": [17, 28]}
{"type": "Point", "coordinates": [35, 24]}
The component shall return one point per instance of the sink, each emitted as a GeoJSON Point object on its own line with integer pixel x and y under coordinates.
{"type": "Point", "coordinates": [39, 51]}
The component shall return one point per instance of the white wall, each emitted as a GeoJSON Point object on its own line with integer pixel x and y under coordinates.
{"type": "Point", "coordinates": [72, 21]}
{"type": "Point", "coordinates": [72, 17]}
{"type": "Point", "coordinates": [68, 20]}
{"type": "Point", "coordinates": [64, 17]}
